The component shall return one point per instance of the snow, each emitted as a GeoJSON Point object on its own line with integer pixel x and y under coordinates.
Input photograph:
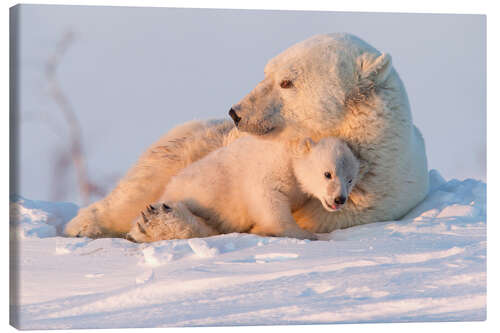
{"type": "Point", "coordinates": [430, 266]}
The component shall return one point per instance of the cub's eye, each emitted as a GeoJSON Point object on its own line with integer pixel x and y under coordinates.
{"type": "Point", "coordinates": [328, 175]}
{"type": "Point", "coordinates": [285, 84]}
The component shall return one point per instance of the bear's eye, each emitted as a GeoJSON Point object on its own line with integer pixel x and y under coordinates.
{"type": "Point", "coordinates": [328, 175]}
{"type": "Point", "coordinates": [285, 84]}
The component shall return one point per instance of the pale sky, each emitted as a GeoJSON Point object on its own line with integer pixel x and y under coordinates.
{"type": "Point", "coordinates": [134, 73]}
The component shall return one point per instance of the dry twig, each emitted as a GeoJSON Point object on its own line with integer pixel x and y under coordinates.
{"type": "Point", "coordinates": [76, 152]}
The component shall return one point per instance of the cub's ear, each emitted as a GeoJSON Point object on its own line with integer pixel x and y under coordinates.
{"type": "Point", "coordinates": [306, 145]}
{"type": "Point", "coordinates": [373, 71]}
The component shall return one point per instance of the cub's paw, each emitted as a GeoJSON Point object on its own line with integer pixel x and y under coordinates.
{"type": "Point", "coordinates": [155, 223]}
{"type": "Point", "coordinates": [163, 222]}
{"type": "Point", "coordinates": [173, 221]}
{"type": "Point", "coordinates": [300, 234]}
{"type": "Point", "coordinates": [291, 231]}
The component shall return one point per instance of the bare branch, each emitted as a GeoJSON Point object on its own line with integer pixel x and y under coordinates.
{"type": "Point", "coordinates": [86, 188]}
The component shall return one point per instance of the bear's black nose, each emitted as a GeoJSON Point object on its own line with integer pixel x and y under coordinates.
{"type": "Point", "coordinates": [235, 117]}
{"type": "Point", "coordinates": [340, 200]}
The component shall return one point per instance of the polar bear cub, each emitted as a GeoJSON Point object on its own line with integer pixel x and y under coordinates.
{"type": "Point", "coordinates": [252, 185]}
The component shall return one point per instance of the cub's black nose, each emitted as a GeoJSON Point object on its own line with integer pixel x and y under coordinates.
{"type": "Point", "coordinates": [340, 200]}
{"type": "Point", "coordinates": [235, 117]}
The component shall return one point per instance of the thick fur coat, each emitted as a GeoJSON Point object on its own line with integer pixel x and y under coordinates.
{"type": "Point", "coordinates": [328, 85]}
{"type": "Point", "coordinates": [252, 185]}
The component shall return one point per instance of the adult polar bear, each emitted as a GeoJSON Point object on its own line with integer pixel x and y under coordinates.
{"type": "Point", "coordinates": [328, 85]}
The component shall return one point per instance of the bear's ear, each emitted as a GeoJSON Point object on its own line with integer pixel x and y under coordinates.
{"type": "Point", "coordinates": [373, 71]}
{"type": "Point", "coordinates": [375, 68]}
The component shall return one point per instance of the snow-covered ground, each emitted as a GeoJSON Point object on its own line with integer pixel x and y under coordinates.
{"type": "Point", "coordinates": [431, 266]}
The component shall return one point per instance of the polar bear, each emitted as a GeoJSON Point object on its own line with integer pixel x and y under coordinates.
{"type": "Point", "coordinates": [252, 185]}
{"type": "Point", "coordinates": [328, 85]}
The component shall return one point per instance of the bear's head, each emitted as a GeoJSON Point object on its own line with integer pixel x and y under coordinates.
{"type": "Point", "coordinates": [312, 85]}
{"type": "Point", "coordinates": [327, 170]}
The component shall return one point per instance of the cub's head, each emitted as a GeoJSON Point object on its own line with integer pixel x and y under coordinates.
{"type": "Point", "coordinates": [313, 83]}
{"type": "Point", "coordinates": [327, 170]}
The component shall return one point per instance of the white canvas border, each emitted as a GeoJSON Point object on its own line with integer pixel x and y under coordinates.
{"type": "Point", "coordinates": [422, 6]}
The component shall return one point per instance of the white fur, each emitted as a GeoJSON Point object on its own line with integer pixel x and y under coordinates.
{"type": "Point", "coordinates": [345, 88]}
{"type": "Point", "coordinates": [253, 185]}
{"type": "Point", "coordinates": [342, 87]}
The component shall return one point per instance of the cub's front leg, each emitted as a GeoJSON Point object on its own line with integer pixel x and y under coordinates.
{"type": "Point", "coordinates": [274, 218]}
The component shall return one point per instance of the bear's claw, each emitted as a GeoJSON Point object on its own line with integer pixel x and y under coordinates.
{"type": "Point", "coordinates": [154, 224]}
{"type": "Point", "coordinates": [144, 217]}
{"type": "Point", "coordinates": [152, 210]}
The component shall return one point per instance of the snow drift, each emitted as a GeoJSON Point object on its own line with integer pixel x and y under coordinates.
{"type": "Point", "coordinates": [430, 266]}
